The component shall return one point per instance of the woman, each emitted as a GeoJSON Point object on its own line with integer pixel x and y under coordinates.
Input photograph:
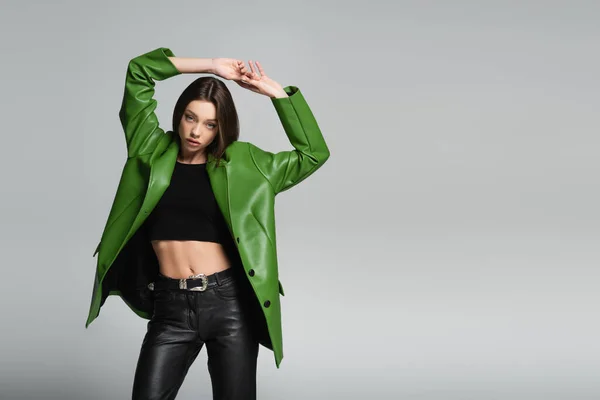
{"type": "Point", "coordinates": [190, 242]}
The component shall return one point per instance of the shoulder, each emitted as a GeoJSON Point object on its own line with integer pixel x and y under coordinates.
{"type": "Point", "coordinates": [236, 149]}
{"type": "Point", "coordinates": [238, 144]}
{"type": "Point", "coordinates": [240, 147]}
{"type": "Point", "coordinates": [250, 147]}
{"type": "Point", "coordinates": [253, 152]}
{"type": "Point", "coordinates": [245, 153]}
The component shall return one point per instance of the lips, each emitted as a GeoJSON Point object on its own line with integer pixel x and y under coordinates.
{"type": "Point", "coordinates": [193, 142]}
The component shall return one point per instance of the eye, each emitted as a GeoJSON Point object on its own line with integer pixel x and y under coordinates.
{"type": "Point", "coordinates": [189, 117]}
{"type": "Point", "coordinates": [212, 125]}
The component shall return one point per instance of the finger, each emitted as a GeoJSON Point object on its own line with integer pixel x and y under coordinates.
{"type": "Point", "coordinates": [252, 67]}
{"type": "Point", "coordinates": [246, 79]}
{"type": "Point", "coordinates": [245, 76]}
{"type": "Point", "coordinates": [245, 73]}
{"type": "Point", "coordinates": [260, 69]}
{"type": "Point", "coordinates": [258, 72]}
{"type": "Point", "coordinates": [239, 70]}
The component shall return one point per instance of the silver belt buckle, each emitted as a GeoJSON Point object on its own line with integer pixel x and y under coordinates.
{"type": "Point", "coordinates": [183, 283]}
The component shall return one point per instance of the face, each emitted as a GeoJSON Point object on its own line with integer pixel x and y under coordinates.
{"type": "Point", "coordinates": [198, 126]}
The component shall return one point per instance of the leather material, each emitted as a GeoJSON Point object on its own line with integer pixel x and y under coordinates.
{"type": "Point", "coordinates": [182, 323]}
{"type": "Point", "coordinates": [190, 283]}
{"type": "Point", "coordinates": [245, 183]}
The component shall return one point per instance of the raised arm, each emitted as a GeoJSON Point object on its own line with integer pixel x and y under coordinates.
{"type": "Point", "coordinates": [137, 116]}
{"type": "Point", "coordinates": [286, 169]}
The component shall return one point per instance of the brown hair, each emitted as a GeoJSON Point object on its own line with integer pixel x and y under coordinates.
{"type": "Point", "coordinates": [211, 89]}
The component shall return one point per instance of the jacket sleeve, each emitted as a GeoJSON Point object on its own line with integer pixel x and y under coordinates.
{"type": "Point", "coordinates": [137, 116]}
{"type": "Point", "coordinates": [286, 169]}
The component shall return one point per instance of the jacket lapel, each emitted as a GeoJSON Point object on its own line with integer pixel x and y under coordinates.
{"type": "Point", "coordinates": [161, 171]}
{"type": "Point", "coordinates": [219, 184]}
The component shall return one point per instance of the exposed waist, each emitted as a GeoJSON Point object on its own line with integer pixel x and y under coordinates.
{"type": "Point", "coordinates": [181, 259]}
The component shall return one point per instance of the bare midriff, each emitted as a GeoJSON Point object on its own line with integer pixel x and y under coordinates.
{"type": "Point", "coordinates": [182, 258]}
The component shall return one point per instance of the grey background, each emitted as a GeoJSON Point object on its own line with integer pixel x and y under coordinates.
{"type": "Point", "coordinates": [447, 250]}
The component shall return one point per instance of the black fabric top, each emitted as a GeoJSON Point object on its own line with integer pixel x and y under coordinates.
{"type": "Point", "coordinates": [188, 209]}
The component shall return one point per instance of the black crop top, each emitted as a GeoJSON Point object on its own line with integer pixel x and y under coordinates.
{"type": "Point", "coordinates": [188, 209]}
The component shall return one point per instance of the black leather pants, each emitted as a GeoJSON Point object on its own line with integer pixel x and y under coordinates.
{"type": "Point", "coordinates": [183, 321]}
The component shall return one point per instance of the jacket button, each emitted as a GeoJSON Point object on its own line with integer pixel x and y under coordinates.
{"type": "Point", "coordinates": [251, 272]}
{"type": "Point", "coordinates": [238, 239]}
{"type": "Point", "coordinates": [267, 303]}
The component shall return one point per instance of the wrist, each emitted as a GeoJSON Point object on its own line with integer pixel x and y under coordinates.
{"type": "Point", "coordinates": [212, 69]}
{"type": "Point", "coordinates": [280, 94]}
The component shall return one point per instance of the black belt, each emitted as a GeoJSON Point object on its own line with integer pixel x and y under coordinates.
{"type": "Point", "coordinates": [198, 282]}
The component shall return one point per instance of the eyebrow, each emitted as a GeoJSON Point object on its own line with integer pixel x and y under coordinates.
{"type": "Point", "coordinates": [194, 114]}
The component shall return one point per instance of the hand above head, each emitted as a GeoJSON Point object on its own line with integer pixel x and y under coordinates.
{"type": "Point", "coordinates": [229, 68]}
{"type": "Point", "coordinates": [261, 84]}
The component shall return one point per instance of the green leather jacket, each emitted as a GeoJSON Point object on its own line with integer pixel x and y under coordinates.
{"type": "Point", "coordinates": [245, 184]}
